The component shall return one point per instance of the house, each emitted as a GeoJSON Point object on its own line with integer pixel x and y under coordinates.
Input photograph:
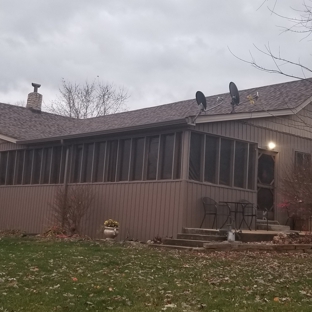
{"type": "Point", "coordinates": [149, 168]}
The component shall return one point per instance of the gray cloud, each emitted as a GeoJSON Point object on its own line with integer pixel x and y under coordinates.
{"type": "Point", "coordinates": [161, 51]}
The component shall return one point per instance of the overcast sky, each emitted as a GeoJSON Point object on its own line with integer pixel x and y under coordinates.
{"type": "Point", "coordinates": [161, 51]}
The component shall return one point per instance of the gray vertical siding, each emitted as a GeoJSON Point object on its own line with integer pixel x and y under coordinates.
{"type": "Point", "coordinates": [193, 213]}
{"type": "Point", "coordinates": [281, 130]}
{"type": "Point", "coordinates": [6, 146]}
{"type": "Point", "coordinates": [144, 209]}
{"type": "Point", "coordinates": [26, 208]}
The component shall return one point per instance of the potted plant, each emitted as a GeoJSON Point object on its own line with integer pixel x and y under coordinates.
{"type": "Point", "coordinates": [111, 228]}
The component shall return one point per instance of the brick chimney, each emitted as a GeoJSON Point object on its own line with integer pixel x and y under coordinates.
{"type": "Point", "coordinates": [34, 99]}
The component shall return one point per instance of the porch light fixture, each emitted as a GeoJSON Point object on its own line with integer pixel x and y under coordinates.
{"type": "Point", "coordinates": [271, 145]}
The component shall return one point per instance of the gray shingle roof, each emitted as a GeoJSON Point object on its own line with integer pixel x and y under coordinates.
{"type": "Point", "coordinates": [24, 124]}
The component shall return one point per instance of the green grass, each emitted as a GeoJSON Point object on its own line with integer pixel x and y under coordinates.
{"type": "Point", "coordinates": [87, 276]}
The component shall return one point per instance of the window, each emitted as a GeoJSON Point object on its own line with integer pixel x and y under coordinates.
{"type": "Point", "coordinates": [240, 165]}
{"type": "Point", "coordinates": [130, 159]}
{"type": "Point", "coordinates": [152, 157]}
{"type": "Point", "coordinates": [56, 164]}
{"type": "Point", "coordinates": [167, 149]}
{"type": "Point", "coordinates": [10, 168]}
{"type": "Point", "coordinates": [46, 165]}
{"type": "Point", "coordinates": [19, 167]}
{"type": "Point", "coordinates": [112, 147]}
{"type": "Point", "coordinates": [36, 166]}
{"type": "Point", "coordinates": [177, 156]}
{"type": "Point", "coordinates": [76, 163]}
{"type": "Point", "coordinates": [211, 154]}
{"type": "Point", "coordinates": [195, 156]}
{"type": "Point", "coordinates": [224, 161]}
{"type": "Point", "coordinates": [99, 159]}
{"type": "Point", "coordinates": [28, 166]}
{"type": "Point", "coordinates": [137, 159]}
{"type": "Point", "coordinates": [124, 159]}
{"type": "Point", "coordinates": [302, 159]}
{"type": "Point", "coordinates": [252, 166]}
{"type": "Point", "coordinates": [3, 166]}
{"type": "Point", "coordinates": [87, 163]}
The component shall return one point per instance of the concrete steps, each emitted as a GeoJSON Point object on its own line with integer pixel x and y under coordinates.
{"type": "Point", "coordinates": [272, 225]}
{"type": "Point", "coordinates": [199, 237]}
{"type": "Point", "coordinates": [195, 237]}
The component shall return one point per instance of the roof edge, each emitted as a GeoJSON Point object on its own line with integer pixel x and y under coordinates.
{"type": "Point", "coordinates": [6, 138]}
{"type": "Point", "coordinates": [176, 122]}
{"type": "Point", "coordinates": [253, 115]}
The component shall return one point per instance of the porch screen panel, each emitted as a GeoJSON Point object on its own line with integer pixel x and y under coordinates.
{"type": "Point", "coordinates": [124, 159]}
{"type": "Point", "coordinates": [3, 166]}
{"type": "Point", "coordinates": [36, 166]}
{"type": "Point", "coordinates": [252, 166]}
{"type": "Point", "coordinates": [240, 170]}
{"type": "Point", "coordinates": [98, 172]}
{"type": "Point", "coordinates": [211, 159]}
{"type": "Point", "coordinates": [19, 167]}
{"type": "Point", "coordinates": [87, 163]}
{"type": "Point", "coordinates": [56, 164]}
{"type": "Point", "coordinates": [152, 157]}
{"type": "Point", "coordinates": [76, 164]}
{"type": "Point", "coordinates": [167, 142]}
{"type": "Point", "coordinates": [225, 162]}
{"type": "Point", "coordinates": [63, 162]}
{"type": "Point", "coordinates": [27, 166]}
{"type": "Point", "coordinates": [137, 158]}
{"type": "Point", "coordinates": [195, 156]}
{"type": "Point", "coordinates": [47, 158]}
{"type": "Point", "coordinates": [111, 160]}
{"type": "Point", "coordinates": [10, 167]}
{"type": "Point", "coordinates": [177, 156]}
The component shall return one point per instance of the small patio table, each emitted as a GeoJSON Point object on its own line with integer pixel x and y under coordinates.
{"type": "Point", "coordinates": [234, 210]}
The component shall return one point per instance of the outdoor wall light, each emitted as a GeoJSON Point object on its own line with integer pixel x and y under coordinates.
{"type": "Point", "coordinates": [271, 145]}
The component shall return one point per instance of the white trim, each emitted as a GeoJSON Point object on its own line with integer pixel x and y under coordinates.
{"type": "Point", "coordinates": [6, 138]}
{"type": "Point", "coordinates": [252, 115]}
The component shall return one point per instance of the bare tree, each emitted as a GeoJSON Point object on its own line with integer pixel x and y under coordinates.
{"type": "Point", "coordinates": [89, 100]}
{"type": "Point", "coordinates": [300, 23]}
{"type": "Point", "coordinates": [70, 206]}
{"type": "Point", "coordinates": [296, 189]}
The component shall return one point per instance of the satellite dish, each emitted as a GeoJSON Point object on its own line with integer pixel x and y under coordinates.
{"type": "Point", "coordinates": [234, 93]}
{"type": "Point", "coordinates": [201, 99]}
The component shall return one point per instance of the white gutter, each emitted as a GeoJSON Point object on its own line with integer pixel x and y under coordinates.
{"type": "Point", "coordinates": [6, 138]}
{"type": "Point", "coordinates": [252, 115]}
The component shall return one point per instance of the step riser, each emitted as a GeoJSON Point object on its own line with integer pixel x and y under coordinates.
{"type": "Point", "coordinates": [259, 221]}
{"type": "Point", "coordinates": [184, 242]}
{"type": "Point", "coordinates": [273, 227]}
{"type": "Point", "coordinates": [200, 231]}
{"type": "Point", "coordinates": [201, 237]}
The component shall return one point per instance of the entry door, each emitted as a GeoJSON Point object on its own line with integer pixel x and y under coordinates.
{"type": "Point", "coordinates": [266, 183]}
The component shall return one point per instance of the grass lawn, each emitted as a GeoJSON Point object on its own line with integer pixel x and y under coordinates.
{"type": "Point", "coordinates": [38, 275]}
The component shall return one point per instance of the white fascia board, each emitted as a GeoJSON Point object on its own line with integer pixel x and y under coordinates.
{"type": "Point", "coordinates": [6, 138]}
{"type": "Point", "coordinates": [252, 115]}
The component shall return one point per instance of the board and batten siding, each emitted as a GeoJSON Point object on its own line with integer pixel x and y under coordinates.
{"type": "Point", "coordinates": [143, 209]}
{"type": "Point", "coordinates": [261, 131]}
{"type": "Point", "coordinates": [26, 207]}
{"type": "Point", "coordinates": [193, 213]}
{"type": "Point", "coordinates": [8, 146]}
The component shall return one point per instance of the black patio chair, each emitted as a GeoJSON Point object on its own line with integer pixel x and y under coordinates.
{"type": "Point", "coordinates": [248, 210]}
{"type": "Point", "coordinates": [210, 209]}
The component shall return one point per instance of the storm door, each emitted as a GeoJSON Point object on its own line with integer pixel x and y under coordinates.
{"type": "Point", "coordinates": [266, 184]}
